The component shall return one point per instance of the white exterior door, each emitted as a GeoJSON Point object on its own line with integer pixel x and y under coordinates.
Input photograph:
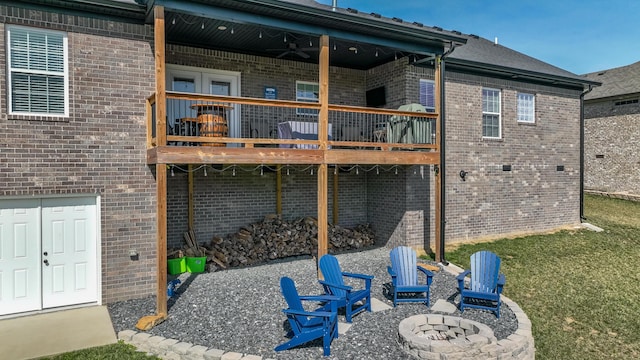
{"type": "Point", "coordinates": [68, 251]}
{"type": "Point", "coordinates": [19, 261]}
{"type": "Point", "coordinates": [48, 253]}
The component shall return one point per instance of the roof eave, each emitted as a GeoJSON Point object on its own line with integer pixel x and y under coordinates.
{"type": "Point", "coordinates": [116, 9]}
{"type": "Point", "coordinates": [359, 20]}
{"type": "Point", "coordinates": [521, 74]}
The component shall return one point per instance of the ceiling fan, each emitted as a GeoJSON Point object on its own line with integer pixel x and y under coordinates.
{"type": "Point", "coordinates": [294, 49]}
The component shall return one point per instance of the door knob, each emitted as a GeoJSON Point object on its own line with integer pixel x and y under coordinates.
{"type": "Point", "coordinates": [46, 262]}
{"type": "Point", "coordinates": [45, 253]}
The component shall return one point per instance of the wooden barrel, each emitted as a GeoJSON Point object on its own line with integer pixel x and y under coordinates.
{"type": "Point", "coordinates": [212, 126]}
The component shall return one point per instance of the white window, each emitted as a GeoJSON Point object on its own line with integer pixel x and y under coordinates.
{"type": "Point", "coordinates": [308, 92]}
{"type": "Point", "coordinates": [38, 80]}
{"type": "Point", "coordinates": [526, 108]}
{"type": "Point", "coordinates": [491, 113]}
{"type": "Point", "coordinates": [428, 94]}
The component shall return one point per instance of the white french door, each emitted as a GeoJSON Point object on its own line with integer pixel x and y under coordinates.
{"type": "Point", "coordinates": [20, 265]}
{"type": "Point", "coordinates": [48, 253]}
{"type": "Point", "coordinates": [203, 81]}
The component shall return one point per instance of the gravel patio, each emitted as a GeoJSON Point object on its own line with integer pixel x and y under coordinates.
{"type": "Point", "coordinates": [239, 310]}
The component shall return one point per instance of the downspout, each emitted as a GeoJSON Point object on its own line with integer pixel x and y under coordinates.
{"type": "Point", "coordinates": [443, 142]}
{"type": "Point", "coordinates": [582, 217]}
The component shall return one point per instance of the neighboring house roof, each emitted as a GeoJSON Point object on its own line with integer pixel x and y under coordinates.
{"type": "Point", "coordinates": [619, 81]}
{"type": "Point", "coordinates": [483, 54]}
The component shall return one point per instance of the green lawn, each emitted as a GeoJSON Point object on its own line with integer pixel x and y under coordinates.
{"type": "Point", "coordinates": [116, 351]}
{"type": "Point", "coordinates": [581, 289]}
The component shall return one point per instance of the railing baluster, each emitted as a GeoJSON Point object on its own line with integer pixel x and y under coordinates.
{"type": "Point", "coordinates": [291, 124]}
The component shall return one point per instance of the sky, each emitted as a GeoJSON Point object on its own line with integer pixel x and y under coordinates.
{"type": "Point", "coordinates": [580, 36]}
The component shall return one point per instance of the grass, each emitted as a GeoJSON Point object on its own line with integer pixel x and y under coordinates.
{"type": "Point", "coordinates": [580, 289]}
{"type": "Point", "coordinates": [116, 351]}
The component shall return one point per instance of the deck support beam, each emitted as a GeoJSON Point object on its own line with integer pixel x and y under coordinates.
{"type": "Point", "coordinates": [190, 197]}
{"type": "Point", "coordinates": [279, 189]}
{"type": "Point", "coordinates": [161, 169]}
{"type": "Point", "coordinates": [323, 132]}
{"type": "Point", "coordinates": [335, 196]}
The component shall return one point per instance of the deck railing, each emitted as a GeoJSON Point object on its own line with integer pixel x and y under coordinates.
{"type": "Point", "coordinates": [207, 120]}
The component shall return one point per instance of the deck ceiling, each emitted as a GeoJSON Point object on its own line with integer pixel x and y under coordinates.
{"type": "Point", "coordinates": [273, 42]}
{"type": "Point", "coordinates": [269, 28]}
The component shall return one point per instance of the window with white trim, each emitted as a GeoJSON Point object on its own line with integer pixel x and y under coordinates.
{"type": "Point", "coordinates": [38, 80]}
{"type": "Point", "coordinates": [428, 94]}
{"type": "Point", "coordinates": [307, 92]}
{"type": "Point", "coordinates": [526, 108]}
{"type": "Point", "coordinates": [491, 106]}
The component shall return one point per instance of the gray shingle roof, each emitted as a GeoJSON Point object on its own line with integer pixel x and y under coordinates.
{"type": "Point", "coordinates": [483, 51]}
{"type": "Point", "coordinates": [479, 50]}
{"type": "Point", "coordinates": [615, 82]}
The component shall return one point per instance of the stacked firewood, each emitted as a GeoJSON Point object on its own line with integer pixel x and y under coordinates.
{"type": "Point", "coordinates": [275, 238]}
{"type": "Point", "coordinates": [192, 247]}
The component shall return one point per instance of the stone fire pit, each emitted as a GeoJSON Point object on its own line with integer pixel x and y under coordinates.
{"type": "Point", "coordinates": [433, 336]}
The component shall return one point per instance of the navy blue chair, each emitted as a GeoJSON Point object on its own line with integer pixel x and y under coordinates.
{"type": "Point", "coordinates": [308, 325]}
{"type": "Point", "coordinates": [354, 301]}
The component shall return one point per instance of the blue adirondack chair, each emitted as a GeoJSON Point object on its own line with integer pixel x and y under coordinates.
{"type": "Point", "coordinates": [308, 325]}
{"type": "Point", "coordinates": [404, 276]}
{"type": "Point", "coordinates": [486, 283]}
{"type": "Point", "coordinates": [333, 284]}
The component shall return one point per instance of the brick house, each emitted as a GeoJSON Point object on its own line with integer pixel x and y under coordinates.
{"type": "Point", "coordinates": [260, 107]}
{"type": "Point", "coordinates": [611, 151]}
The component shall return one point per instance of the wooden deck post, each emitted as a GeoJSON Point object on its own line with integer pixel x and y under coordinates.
{"type": "Point", "coordinates": [323, 118]}
{"type": "Point", "coordinates": [161, 93]}
{"type": "Point", "coordinates": [323, 228]}
{"type": "Point", "coordinates": [279, 190]}
{"type": "Point", "coordinates": [438, 166]}
{"type": "Point", "coordinates": [335, 196]}
{"type": "Point", "coordinates": [161, 169]}
{"type": "Point", "coordinates": [190, 197]}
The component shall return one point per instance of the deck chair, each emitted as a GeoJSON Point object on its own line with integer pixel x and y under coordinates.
{"type": "Point", "coordinates": [353, 301]}
{"type": "Point", "coordinates": [308, 325]}
{"type": "Point", "coordinates": [486, 283]}
{"type": "Point", "coordinates": [404, 277]}
{"type": "Point", "coordinates": [351, 133]}
{"type": "Point", "coordinates": [260, 130]}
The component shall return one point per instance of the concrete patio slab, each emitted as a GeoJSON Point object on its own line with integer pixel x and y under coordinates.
{"type": "Point", "coordinates": [377, 305]}
{"type": "Point", "coordinates": [57, 332]}
{"type": "Point", "coordinates": [343, 327]}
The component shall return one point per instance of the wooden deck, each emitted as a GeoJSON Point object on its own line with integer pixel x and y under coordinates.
{"type": "Point", "coordinates": [279, 132]}
{"type": "Point", "coordinates": [358, 135]}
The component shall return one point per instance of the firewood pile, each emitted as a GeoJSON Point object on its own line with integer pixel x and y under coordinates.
{"type": "Point", "coordinates": [271, 239]}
